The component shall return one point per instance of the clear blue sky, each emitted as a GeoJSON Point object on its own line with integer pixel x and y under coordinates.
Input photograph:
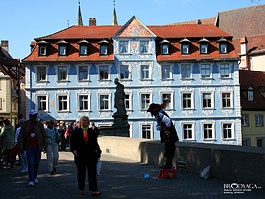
{"type": "Point", "coordinates": [24, 20]}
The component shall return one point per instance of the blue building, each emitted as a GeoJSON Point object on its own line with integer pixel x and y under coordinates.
{"type": "Point", "coordinates": [192, 68]}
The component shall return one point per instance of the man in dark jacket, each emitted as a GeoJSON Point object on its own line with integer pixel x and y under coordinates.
{"type": "Point", "coordinates": [32, 139]}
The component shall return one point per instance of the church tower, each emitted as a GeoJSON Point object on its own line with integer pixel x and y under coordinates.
{"type": "Point", "coordinates": [114, 18]}
{"type": "Point", "coordinates": [79, 17]}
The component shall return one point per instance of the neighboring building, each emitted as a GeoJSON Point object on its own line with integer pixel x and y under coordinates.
{"type": "Point", "coordinates": [252, 92]}
{"type": "Point", "coordinates": [10, 71]}
{"type": "Point", "coordinates": [246, 25]}
{"type": "Point", "coordinates": [192, 68]}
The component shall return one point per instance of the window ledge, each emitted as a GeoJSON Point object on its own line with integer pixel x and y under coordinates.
{"type": "Point", "coordinates": [42, 81]}
{"type": "Point", "coordinates": [63, 81]}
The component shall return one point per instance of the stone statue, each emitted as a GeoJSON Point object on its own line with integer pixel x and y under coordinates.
{"type": "Point", "coordinates": [119, 103]}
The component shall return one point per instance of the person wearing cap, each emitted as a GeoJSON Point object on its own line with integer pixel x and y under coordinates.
{"type": "Point", "coordinates": [168, 133]}
{"type": "Point", "coordinates": [32, 139]}
{"type": "Point", "coordinates": [52, 146]}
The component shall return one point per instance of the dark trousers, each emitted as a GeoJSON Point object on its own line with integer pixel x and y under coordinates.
{"type": "Point", "coordinates": [91, 168]}
{"type": "Point", "coordinates": [169, 153]}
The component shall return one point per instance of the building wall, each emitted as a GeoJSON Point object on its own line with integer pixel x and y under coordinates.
{"type": "Point", "coordinates": [251, 133]}
{"type": "Point", "coordinates": [257, 62]}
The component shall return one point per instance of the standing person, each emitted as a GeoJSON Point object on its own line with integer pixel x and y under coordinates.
{"type": "Point", "coordinates": [62, 130]}
{"type": "Point", "coordinates": [168, 133]}
{"type": "Point", "coordinates": [22, 154]}
{"type": "Point", "coordinates": [32, 139]}
{"type": "Point", "coordinates": [52, 147]}
{"type": "Point", "coordinates": [8, 135]}
{"type": "Point", "coordinates": [84, 146]}
{"type": "Point", "coordinates": [93, 126]}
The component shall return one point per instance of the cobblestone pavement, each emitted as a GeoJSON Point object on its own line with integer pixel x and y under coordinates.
{"type": "Point", "coordinates": [120, 179]}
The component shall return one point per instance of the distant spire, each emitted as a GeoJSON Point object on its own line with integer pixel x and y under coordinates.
{"type": "Point", "coordinates": [114, 18]}
{"type": "Point", "coordinates": [79, 17]}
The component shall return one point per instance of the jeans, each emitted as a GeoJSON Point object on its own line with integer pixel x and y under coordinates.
{"type": "Point", "coordinates": [33, 157]}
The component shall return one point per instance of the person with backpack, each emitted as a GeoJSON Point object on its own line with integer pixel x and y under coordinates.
{"type": "Point", "coordinates": [168, 133]}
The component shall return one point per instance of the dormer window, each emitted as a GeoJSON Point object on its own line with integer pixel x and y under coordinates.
{"type": "Point", "coordinates": [185, 45]}
{"type": "Point", "coordinates": [83, 47]}
{"type": "Point", "coordinates": [42, 48]}
{"type": "Point", "coordinates": [62, 47]}
{"type": "Point", "coordinates": [223, 46]}
{"type": "Point", "coordinates": [203, 46]}
{"type": "Point", "coordinates": [165, 47]}
{"type": "Point", "coordinates": [104, 46]}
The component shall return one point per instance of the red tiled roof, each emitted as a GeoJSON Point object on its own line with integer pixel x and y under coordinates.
{"type": "Point", "coordinates": [255, 43]}
{"type": "Point", "coordinates": [203, 21]}
{"type": "Point", "coordinates": [94, 34]}
{"type": "Point", "coordinates": [256, 80]}
{"type": "Point", "coordinates": [83, 32]}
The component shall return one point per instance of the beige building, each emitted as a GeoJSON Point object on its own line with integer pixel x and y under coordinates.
{"type": "Point", "coordinates": [11, 74]}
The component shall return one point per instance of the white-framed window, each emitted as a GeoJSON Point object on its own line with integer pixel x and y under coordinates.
{"type": "Point", "coordinates": [245, 120]}
{"type": "Point", "coordinates": [128, 101]}
{"type": "Point", "coordinates": [208, 130]}
{"type": "Point", "coordinates": [124, 47]}
{"type": "Point", "coordinates": [145, 72]}
{"type": "Point", "coordinates": [187, 100]}
{"type": "Point", "coordinates": [188, 130]}
{"type": "Point", "coordinates": [83, 49]}
{"type": "Point", "coordinates": [206, 71]}
{"type": "Point", "coordinates": [228, 130]}
{"type": "Point", "coordinates": [42, 50]}
{"type": "Point", "coordinates": [144, 47]}
{"type": "Point", "coordinates": [259, 120]}
{"type": "Point", "coordinates": [225, 71]}
{"type": "Point", "coordinates": [167, 99]}
{"type": "Point", "coordinates": [104, 72]}
{"type": "Point", "coordinates": [103, 49]}
{"type": "Point", "coordinates": [185, 49]}
{"type": "Point", "coordinates": [125, 73]}
{"type": "Point", "coordinates": [223, 48]}
{"type": "Point", "coordinates": [166, 71]}
{"type": "Point", "coordinates": [146, 131]}
{"type": "Point", "coordinates": [83, 102]}
{"type": "Point", "coordinates": [42, 102]}
{"type": "Point", "coordinates": [41, 73]}
{"type": "Point", "coordinates": [186, 71]}
{"type": "Point", "coordinates": [83, 73]}
{"type": "Point", "coordinates": [226, 100]}
{"type": "Point", "coordinates": [62, 50]}
{"type": "Point", "coordinates": [62, 73]}
{"type": "Point", "coordinates": [145, 100]}
{"type": "Point", "coordinates": [203, 48]}
{"type": "Point", "coordinates": [207, 100]}
{"type": "Point", "coordinates": [165, 49]}
{"type": "Point", "coordinates": [63, 102]}
{"type": "Point", "coordinates": [104, 102]}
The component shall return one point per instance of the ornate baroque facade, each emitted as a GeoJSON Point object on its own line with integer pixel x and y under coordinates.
{"type": "Point", "coordinates": [192, 68]}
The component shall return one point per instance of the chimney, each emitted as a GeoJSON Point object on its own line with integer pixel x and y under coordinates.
{"type": "Point", "coordinates": [199, 21]}
{"type": "Point", "coordinates": [4, 45]}
{"type": "Point", "coordinates": [92, 22]}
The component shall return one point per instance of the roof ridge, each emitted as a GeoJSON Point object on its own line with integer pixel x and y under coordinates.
{"type": "Point", "coordinates": [244, 8]}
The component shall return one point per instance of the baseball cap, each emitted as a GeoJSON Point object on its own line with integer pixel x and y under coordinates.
{"type": "Point", "coordinates": [33, 112]}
